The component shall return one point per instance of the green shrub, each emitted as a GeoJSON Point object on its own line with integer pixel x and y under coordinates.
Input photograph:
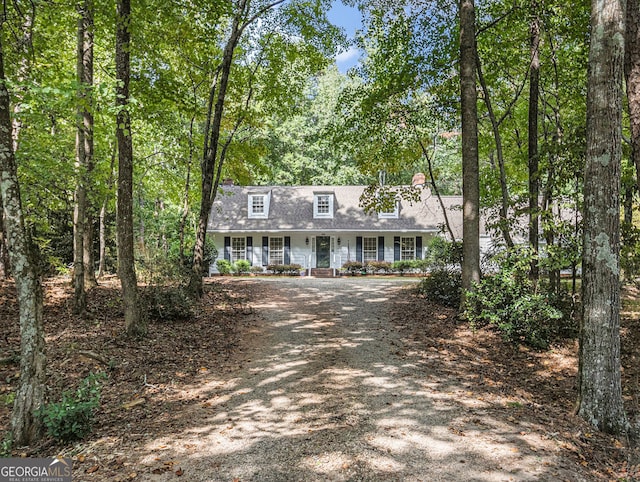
{"type": "Point", "coordinates": [378, 267]}
{"type": "Point", "coordinates": [289, 269]}
{"type": "Point", "coordinates": [167, 303]}
{"type": "Point", "coordinates": [443, 286]}
{"type": "Point", "coordinates": [441, 252]}
{"type": "Point", "coordinates": [509, 301]}
{"type": "Point", "coordinates": [405, 266]}
{"type": "Point", "coordinates": [353, 267]}
{"type": "Point", "coordinates": [72, 418]}
{"type": "Point", "coordinates": [224, 266]}
{"type": "Point", "coordinates": [242, 266]}
{"type": "Point", "coordinates": [257, 269]}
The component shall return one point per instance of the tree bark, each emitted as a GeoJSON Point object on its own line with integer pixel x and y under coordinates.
{"type": "Point", "coordinates": [470, 164]}
{"type": "Point", "coordinates": [25, 422]}
{"type": "Point", "coordinates": [600, 391]}
{"type": "Point", "coordinates": [80, 196]}
{"type": "Point", "coordinates": [135, 325]}
{"type": "Point", "coordinates": [533, 155]}
{"type": "Point", "coordinates": [632, 76]}
{"type": "Point", "coordinates": [102, 220]}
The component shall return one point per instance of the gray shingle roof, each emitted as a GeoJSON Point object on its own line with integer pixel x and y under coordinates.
{"type": "Point", "coordinates": [291, 209]}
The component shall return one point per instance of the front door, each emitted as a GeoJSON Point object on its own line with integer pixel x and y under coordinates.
{"type": "Point", "coordinates": [323, 252]}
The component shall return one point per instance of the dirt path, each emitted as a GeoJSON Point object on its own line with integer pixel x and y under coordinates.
{"type": "Point", "coordinates": [328, 392]}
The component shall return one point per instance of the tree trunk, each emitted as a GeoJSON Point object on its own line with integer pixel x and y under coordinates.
{"type": "Point", "coordinates": [80, 197]}
{"type": "Point", "coordinates": [534, 175]}
{"type": "Point", "coordinates": [632, 76]}
{"type": "Point", "coordinates": [503, 224]}
{"type": "Point", "coordinates": [185, 200]}
{"type": "Point", "coordinates": [470, 168]}
{"type": "Point", "coordinates": [4, 252]}
{"type": "Point", "coordinates": [25, 422]}
{"type": "Point", "coordinates": [600, 391]}
{"type": "Point", "coordinates": [211, 168]}
{"type": "Point", "coordinates": [87, 125]}
{"type": "Point", "coordinates": [102, 218]}
{"type": "Point", "coordinates": [135, 325]}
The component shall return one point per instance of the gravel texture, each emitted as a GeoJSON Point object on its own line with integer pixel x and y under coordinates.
{"type": "Point", "coordinates": [326, 392]}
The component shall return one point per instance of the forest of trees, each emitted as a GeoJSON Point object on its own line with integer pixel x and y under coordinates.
{"type": "Point", "coordinates": [119, 121]}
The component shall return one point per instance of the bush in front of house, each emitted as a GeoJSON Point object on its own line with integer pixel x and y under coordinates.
{"type": "Point", "coordinates": [353, 267]}
{"type": "Point", "coordinates": [224, 266]}
{"type": "Point", "coordinates": [285, 269]}
{"type": "Point", "coordinates": [242, 266]}
{"type": "Point", "coordinates": [403, 267]}
{"type": "Point", "coordinates": [378, 267]}
{"type": "Point", "coordinates": [257, 270]}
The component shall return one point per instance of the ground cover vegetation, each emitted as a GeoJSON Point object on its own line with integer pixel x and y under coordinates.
{"type": "Point", "coordinates": [159, 102]}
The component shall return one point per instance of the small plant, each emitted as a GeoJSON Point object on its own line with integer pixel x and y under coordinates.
{"type": "Point", "coordinates": [242, 266]}
{"type": "Point", "coordinates": [72, 418]}
{"type": "Point", "coordinates": [8, 398]}
{"type": "Point", "coordinates": [257, 269]}
{"type": "Point", "coordinates": [353, 267]}
{"type": "Point", "coordinates": [6, 445]}
{"type": "Point", "coordinates": [224, 266]}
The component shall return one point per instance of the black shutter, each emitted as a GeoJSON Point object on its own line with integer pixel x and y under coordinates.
{"type": "Point", "coordinates": [287, 250]}
{"type": "Point", "coordinates": [227, 248]}
{"type": "Point", "coordinates": [250, 249]}
{"type": "Point", "coordinates": [265, 250]}
{"type": "Point", "coordinates": [396, 248]}
{"type": "Point", "coordinates": [418, 247]}
{"type": "Point", "coordinates": [359, 249]}
{"type": "Point", "coordinates": [380, 248]}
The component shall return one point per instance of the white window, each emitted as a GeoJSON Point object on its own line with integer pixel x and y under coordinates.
{"type": "Point", "coordinates": [370, 249]}
{"type": "Point", "coordinates": [407, 248]}
{"type": "Point", "coordinates": [323, 206]}
{"type": "Point", "coordinates": [258, 206]}
{"type": "Point", "coordinates": [238, 249]}
{"type": "Point", "coordinates": [390, 213]}
{"type": "Point", "coordinates": [276, 251]}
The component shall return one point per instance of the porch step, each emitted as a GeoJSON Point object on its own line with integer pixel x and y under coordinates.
{"type": "Point", "coordinates": [322, 272]}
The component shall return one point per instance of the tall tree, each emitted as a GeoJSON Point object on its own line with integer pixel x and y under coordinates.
{"type": "Point", "coordinates": [25, 421]}
{"type": "Point", "coordinates": [533, 155]}
{"type": "Point", "coordinates": [632, 76]}
{"type": "Point", "coordinates": [134, 322]}
{"type": "Point", "coordinates": [84, 151]}
{"type": "Point", "coordinates": [600, 391]}
{"type": "Point", "coordinates": [470, 168]}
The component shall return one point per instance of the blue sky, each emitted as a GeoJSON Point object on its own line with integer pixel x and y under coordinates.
{"type": "Point", "coordinates": [349, 19]}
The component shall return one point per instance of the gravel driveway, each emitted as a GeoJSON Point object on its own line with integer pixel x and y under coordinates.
{"type": "Point", "coordinates": [327, 392]}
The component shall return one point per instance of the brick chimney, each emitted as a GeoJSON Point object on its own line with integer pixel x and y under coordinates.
{"type": "Point", "coordinates": [418, 180]}
{"type": "Point", "coordinates": [227, 182]}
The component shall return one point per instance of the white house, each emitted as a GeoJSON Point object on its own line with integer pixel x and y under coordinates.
{"type": "Point", "coordinates": [322, 226]}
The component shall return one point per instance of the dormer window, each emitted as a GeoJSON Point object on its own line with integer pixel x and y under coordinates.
{"type": "Point", "coordinates": [323, 206]}
{"type": "Point", "coordinates": [390, 213]}
{"type": "Point", "coordinates": [258, 206]}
